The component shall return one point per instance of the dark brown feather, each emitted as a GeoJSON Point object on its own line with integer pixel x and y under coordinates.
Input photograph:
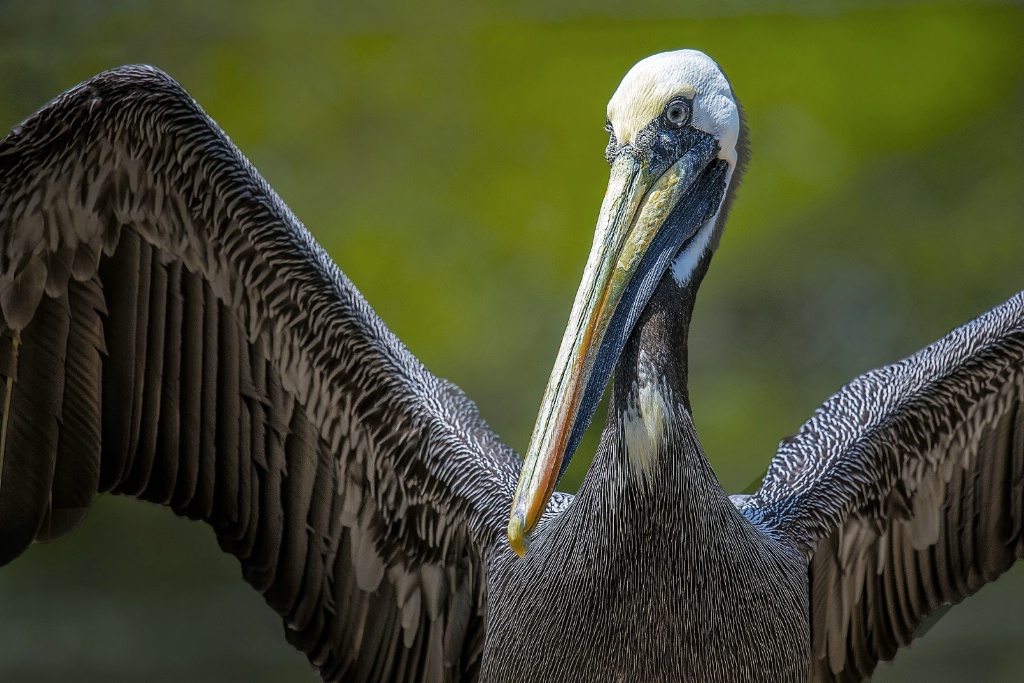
{"type": "Point", "coordinates": [77, 469]}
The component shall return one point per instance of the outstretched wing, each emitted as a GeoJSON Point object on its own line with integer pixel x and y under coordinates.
{"type": "Point", "coordinates": [171, 331]}
{"type": "Point", "coordinates": [905, 491]}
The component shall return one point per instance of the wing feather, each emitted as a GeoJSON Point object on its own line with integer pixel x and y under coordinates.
{"type": "Point", "coordinates": [170, 331]}
{"type": "Point", "coordinates": [905, 491]}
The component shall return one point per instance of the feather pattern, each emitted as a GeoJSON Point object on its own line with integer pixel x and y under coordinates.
{"type": "Point", "coordinates": [170, 331]}
{"type": "Point", "coordinates": [904, 491]}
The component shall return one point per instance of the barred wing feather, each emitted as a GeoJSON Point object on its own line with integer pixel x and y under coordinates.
{"type": "Point", "coordinates": [905, 491]}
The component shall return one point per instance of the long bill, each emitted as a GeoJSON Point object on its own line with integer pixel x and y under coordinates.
{"type": "Point", "coordinates": [634, 244]}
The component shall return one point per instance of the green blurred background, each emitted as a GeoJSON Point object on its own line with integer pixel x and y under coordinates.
{"type": "Point", "coordinates": [450, 159]}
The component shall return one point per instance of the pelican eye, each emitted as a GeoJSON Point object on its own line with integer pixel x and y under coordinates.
{"type": "Point", "coordinates": [677, 112]}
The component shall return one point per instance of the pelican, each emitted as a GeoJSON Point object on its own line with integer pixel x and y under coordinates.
{"type": "Point", "coordinates": [171, 331]}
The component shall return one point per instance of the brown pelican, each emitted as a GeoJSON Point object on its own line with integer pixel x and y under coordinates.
{"type": "Point", "coordinates": [172, 332]}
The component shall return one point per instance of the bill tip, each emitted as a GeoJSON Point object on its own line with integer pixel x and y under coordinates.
{"type": "Point", "coordinates": [517, 537]}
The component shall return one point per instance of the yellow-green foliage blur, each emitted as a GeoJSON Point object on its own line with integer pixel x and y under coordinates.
{"type": "Point", "coordinates": [449, 157]}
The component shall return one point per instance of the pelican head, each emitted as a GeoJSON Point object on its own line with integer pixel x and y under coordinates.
{"type": "Point", "coordinates": [674, 127]}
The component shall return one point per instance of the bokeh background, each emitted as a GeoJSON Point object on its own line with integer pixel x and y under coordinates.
{"type": "Point", "coordinates": [449, 156]}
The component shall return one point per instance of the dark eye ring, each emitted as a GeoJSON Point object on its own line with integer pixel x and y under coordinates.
{"type": "Point", "coordinates": [677, 112]}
